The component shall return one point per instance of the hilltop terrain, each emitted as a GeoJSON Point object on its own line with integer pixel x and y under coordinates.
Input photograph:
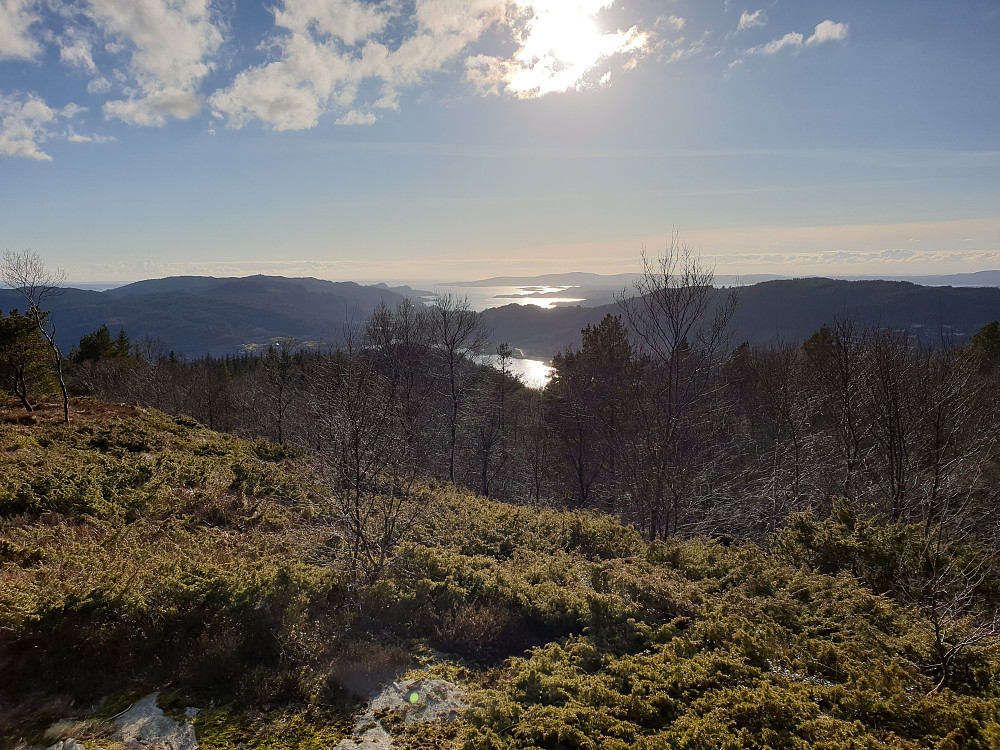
{"type": "Point", "coordinates": [198, 315]}
{"type": "Point", "coordinates": [144, 552]}
{"type": "Point", "coordinates": [782, 310]}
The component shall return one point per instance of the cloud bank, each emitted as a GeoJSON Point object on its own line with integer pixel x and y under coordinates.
{"type": "Point", "coordinates": [147, 62]}
{"type": "Point", "coordinates": [350, 59]}
{"type": "Point", "coordinates": [327, 53]}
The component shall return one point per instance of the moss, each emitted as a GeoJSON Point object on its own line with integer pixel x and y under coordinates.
{"type": "Point", "coordinates": [295, 728]}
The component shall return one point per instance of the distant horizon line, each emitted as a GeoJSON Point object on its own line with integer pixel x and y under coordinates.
{"type": "Point", "coordinates": [406, 282]}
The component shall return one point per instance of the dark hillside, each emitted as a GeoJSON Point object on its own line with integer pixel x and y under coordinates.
{"type": "Point", "coordinates": [791, 310]}
{"type": "Point", "coordinates": [199, 315]}
{"type": "Point", "coordinates": [196, 315]}
{"type": "Point", "coordinates": [783, 310]}
{"type": "Point", "coordinates": [542, 333]}
{"type": "Point", "coordinates": [186, 284]}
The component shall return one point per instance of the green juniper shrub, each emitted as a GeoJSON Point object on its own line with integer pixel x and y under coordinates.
{"type": "Point", "coordinates": [147, 551]}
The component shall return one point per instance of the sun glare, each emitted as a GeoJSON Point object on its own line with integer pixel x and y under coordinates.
{"type": "Point", "coordinates": [562, 42]}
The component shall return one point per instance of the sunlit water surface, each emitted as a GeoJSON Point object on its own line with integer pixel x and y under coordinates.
{"type": "Point", "coordinates": [534, 373]}
{"type": "Point", "coordinates": [483, 297]}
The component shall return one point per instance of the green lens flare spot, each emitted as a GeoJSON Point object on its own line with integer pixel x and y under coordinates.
{"type": "Point", "coordinates": [414, 696]}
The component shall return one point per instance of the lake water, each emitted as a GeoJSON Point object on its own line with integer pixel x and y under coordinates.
{"type": "Point", "coordinates": [534, 373]}
{"type": "Point", "coordinates": [484, 297]}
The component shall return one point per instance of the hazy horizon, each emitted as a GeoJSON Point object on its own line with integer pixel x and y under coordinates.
{"type": "Point", "coordinates": [430, 284]}
{"type": "Point", "coordinates": [446, 139]}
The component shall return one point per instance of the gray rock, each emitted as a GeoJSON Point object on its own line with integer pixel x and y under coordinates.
{"type": "Point", "coordinates": [417, 701]}
{"type": "Point", "coordinates": [69, 744]}
{"type": "Point", "coordinates": [145, 724]}
{"type": "Point", "coordinates": [373, 738]}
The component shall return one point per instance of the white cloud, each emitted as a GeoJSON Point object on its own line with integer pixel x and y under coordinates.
{"type": "Point", "coordinates": [329, 54]}
{"type": "Point", "coordinates": [75, 50]}
{"type": "Point", "coordinates": [74, 137]}
{"type": "Point", "coordinates": [672, 23]}
{"type": "Point", "coordinates": [16, 18]}
{"type": "Point", "coordinates": [354, 117]}
{"type": "Point", "coordinates": [154, 105]}
{"type": "Point", "coordinates": [752, 20]}
{"type": "Point", "coordinates": [98, 85]}
{"type": "Point", "coordinates": [792, 39]}
{"type": "Point", "coordinates": [71, 110]}
{"type": "Point", "coordinates": [684, 48]}
{"type": "Point", "coordinates": [827, 31]}
{"type": "Point", "coordinates": [346, 20]}
{"type": "Point", "coordinates": [281, 94]}
{"type": "Point", "coordinates": [388, 100]}
{"type": "Point", "coordinates": [171, 44]}
{"type": "Point", "coordinates": [327, 51]}
{"type": "Point", "coordinates": [26, 122]}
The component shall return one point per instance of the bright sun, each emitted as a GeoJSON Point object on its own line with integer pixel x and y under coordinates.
{"type": "Point", "coordinates": [562, 43]}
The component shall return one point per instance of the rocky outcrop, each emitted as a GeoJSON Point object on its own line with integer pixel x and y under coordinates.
{"type": "Point", "coordinates": [69, 744]}
{"type": "Point", "coordinates": [415, 701]}
{"type": "Point", "coordinates": [145, 724]}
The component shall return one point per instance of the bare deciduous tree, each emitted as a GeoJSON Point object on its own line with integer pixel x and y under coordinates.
{"type": "Point", "coordinates": [364, 466]}
{"type": "Point", "coordinates": [681, 324]}
{"type": "Point", "coordinates": [281, 382]}
{"type": "Point", "coordinates": [457, 335]}
{"type": "Point", "coordinates": [676, 307]}
{"type": "Point", "coordinates": [25, 272]}
{"type": "Point", "coordinates": [399, 340]}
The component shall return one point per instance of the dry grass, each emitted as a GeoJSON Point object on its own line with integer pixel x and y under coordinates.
{"type": "Point", "coordinates": [49, 412]}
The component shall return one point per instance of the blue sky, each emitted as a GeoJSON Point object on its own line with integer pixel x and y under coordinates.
{"type": "Point", "coordinates": [445, 140]}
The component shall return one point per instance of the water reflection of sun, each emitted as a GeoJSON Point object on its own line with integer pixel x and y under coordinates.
{"type": "Point", "coordinates": [535, 373]}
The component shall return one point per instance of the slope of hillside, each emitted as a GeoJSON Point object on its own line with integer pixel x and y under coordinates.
{"type": "Point", "coordinates": [142, 552]}
{"type": "Point", "coordinates": [197, 315]}
{"type": "Point", "coordinates": [783, 310]}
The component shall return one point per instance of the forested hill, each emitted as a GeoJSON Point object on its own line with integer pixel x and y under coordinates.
{"type": "Point", "coordinates": [198, 315]}
{"type": "Point", "coordinates": [782, 310]}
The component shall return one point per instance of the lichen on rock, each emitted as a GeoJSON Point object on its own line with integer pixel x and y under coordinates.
{"type": "Point", "coordinates": [415, 701]}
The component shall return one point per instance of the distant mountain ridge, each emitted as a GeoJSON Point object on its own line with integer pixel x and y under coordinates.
{"type": "Point", "coordinates": [781, 310]}
{"type": "Point", "coordinates": [598, 290]}
{"type": "Point", "coordinates": [619, 280]}
{"type": "Point", "coordinates": [198, 315]}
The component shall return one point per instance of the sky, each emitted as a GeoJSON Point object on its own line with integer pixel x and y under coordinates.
{"type": "Point", "coordinates": [439, 140]}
